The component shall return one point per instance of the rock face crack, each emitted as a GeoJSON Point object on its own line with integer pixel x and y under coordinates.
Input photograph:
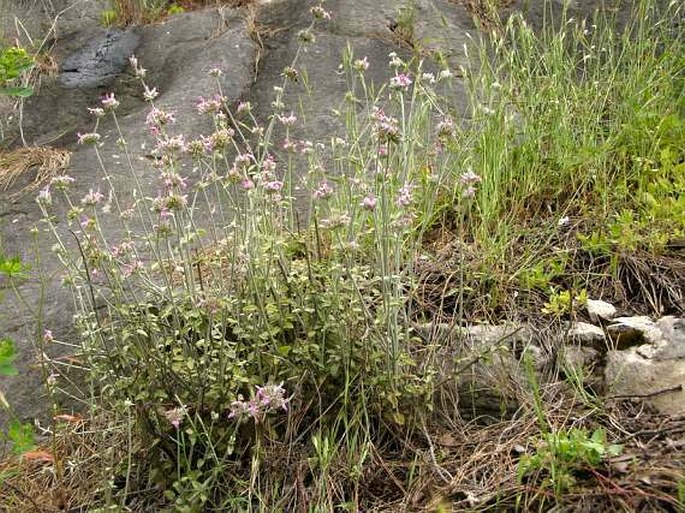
{"type": "Point", "coordinates": [99, 61]}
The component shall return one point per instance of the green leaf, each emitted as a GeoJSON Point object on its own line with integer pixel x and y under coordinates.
{"type": "Point", "coordinates": [21, 436]}
{"type": "Point", "coordinates": [12, 267]}
{"type": "Point", "coordinates": [8, 370]}
{"type": "Point", "coordinates": [7, 356]}
{"type": "Point", "coordinates": [18, 92]}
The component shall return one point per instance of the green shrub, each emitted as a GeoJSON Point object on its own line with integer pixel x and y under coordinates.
{"type": "Point", "coordinates": [232, 322]}
{"type": "Point", "coordinates": [109, 17]}
{"type": "Point", "coordinates": [221, 301]}
{"type": "Point", "coordinates": [14, 62]}
{"type": "Point", "coordinates": [560, 456]}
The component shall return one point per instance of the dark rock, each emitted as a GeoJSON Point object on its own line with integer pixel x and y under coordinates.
{"type": "Point", "coordinates": [100, 61]}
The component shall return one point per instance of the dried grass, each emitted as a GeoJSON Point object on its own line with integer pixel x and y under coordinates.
{"type": "Point", "coordinates": [461, 467]}
{"type": "Point", "coordinates": [45, 162]}
{"type": "Point", "coordinates": [68, 483]}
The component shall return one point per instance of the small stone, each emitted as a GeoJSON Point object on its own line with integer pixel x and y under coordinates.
{"type": "Point", "coordinates": [600, 310]}
{"type": "Point", "coordinates": [587, 334]}
{"type": "Point", "coordinates": [519, 449]}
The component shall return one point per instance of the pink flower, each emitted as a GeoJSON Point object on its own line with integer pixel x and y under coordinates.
{"type": "Point", "coordinates": [288, 120]}
{"type": "Point", "coordinates": [61, 182]}
{"type": "Point", "coordinates": [165, 214]}
{"type": "Point", "coordinates": [238, 409]}
{"type": "Point", "coordinates": [244, 108]}
{"type": "Point", "coordinates": [171, 144]}
{"type": "Point", "coordinates": [175, 201]}
{"type": "Point", "coordinates": [320, 13]}
{"type": "Point", "coordinates": [469, 178]}
{"type": "Point", "coordinates": [150, 94]}
{"type": "Point", "coordinates": [176, 415]}
{"type": "Point", "coordinates": [305, 147]}
{"type": "Point", "coordinates": [247, 184]}
{"type": "Point", "coordinates": [289, 145]}
{"type": "Point", "coordinates": [137, 70]}
{"type": "Point", "coordinates": [469, 192]}
{"type": "Point", "coordinates": [243, 159]}
{"type": "Point", "coordinates": [47, 336]}
{"type": "Point", "coordinates": [336, 221]}
{"type": "Point", "coordinates": [446, 128]}
{"type": "Point", "coordinates": [273, 186]}
{"type": "Point", "coordinates": [133, 268]}
{"type": "Point", "coordinates": [267, 399]}
{"type": "Point", "coordinates": [44, 196]}
{"type": "Point", "coordinates": [88, 138]}
{"type": "Point", "coordinates": [109, 102]}
{"type": "Point", "coordinates": [157, 118]}
{"type": "Point", "coordinates": [361, 64]}
{"type": "Point", "coordinates": [210, 105]}
{"type": "Point", "coordinates": [369, 202]}
{"type": "Point", "coordinates": [324, 191]}
{"type": "Point", "coordinates": [386, 126]}
{"type": "Point", "coordinates": [172, 179]}
{"type": "Point", "coordinates": [400, 81]}
{"type": "Point", "coordinates": [268, 165]}
{"type": "Point", "coordinates": [404, 197]}
{"type": "Point", "coordinates": [221, 138]}
{"type": "Point", "coordinates": [233, 174]}
{"type": "Point", "coordinates": [92, 198]}
{"type": "Point", "coordinates": [87, 223]}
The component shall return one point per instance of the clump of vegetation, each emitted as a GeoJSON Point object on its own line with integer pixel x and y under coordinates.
{"type": "Point", "coordinates": [565, 302]}
{"type": "Point", "coordinates": [14, 63]}
{"type": "Point", "coordinates": [17, 434]}
{"type": "Point", "coordinates": [559, 456]}
{"type": "Point", "coordinates": [577, 134]}
{"type": "Point", "coordinates": [134, 12]}
{"type": "Point", "coordinates": [250, 330]}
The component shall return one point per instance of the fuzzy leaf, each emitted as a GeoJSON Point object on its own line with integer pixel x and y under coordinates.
{"type": "Point", "coordinates": [18, 92]}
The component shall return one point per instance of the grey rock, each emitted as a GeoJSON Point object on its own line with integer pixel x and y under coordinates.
{"type": "Point", "coordinates": [490, 335]}
{"type": "Point", "coordinates": [487, 362]}
{"type": "Point", "coordinates": [500, 367]}
{"type": "Point", "coordinates": [437, 332]}
{"type": "Point", "coordinates": [177, 55]}
{"type": "Point", "coordinates": [654, 370]}
{"type": "Point", "coordinates": [578, 357]}
{"type": "Point", "coordinates": [600, 310]}
{"type": "Point", "coordinates": [672, 345]}
{"type": "Point", "coordinates": [661, 383]}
